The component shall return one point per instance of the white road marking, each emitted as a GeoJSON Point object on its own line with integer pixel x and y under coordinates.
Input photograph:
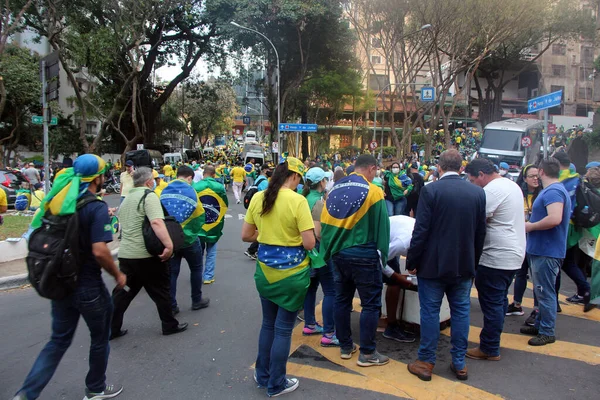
{"type": "Point", "coordinates": [241, 216]}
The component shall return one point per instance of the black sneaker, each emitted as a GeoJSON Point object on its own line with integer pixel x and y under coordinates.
{"type": "Point", "coordinates": [531, 319]}
{"type": "Point", "coordinates": [250, 255]}
{"type": "Point", "coordinates": [576, 299]}
{"type": "Point", "coordinates": [291, 384]}
{"type": "Point", "coordinates": [514, 310]}
{"type": "Point", "coordinates": [529, 330]}
{"type": "Point", "coordinates": [201, 304]}
{"type": "Point", "coordinates": [588, 307]}
{"type": "Point", "coordinates": [109, 392]}
{"type": "Point", "coordinates": [541, 340]}
{"type": "Point", "coordinates": [397, 334]}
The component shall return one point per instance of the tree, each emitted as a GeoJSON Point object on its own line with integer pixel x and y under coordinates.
{"type": "Point", "coordinates": [11, 22]}
{"type": "Point", "coordinates": [309, 36]}
{"type": "Point", "coordinates": [548, 22]}
{"type": "Point", "coordinates": [20, 71]}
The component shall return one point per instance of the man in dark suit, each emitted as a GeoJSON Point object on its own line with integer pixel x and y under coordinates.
{"type": "Point", "coordinates": [446, 245]}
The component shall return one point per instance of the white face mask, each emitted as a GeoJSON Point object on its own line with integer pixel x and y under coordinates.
{"type": "Point", "coordinates": [395, 170]}
{"type": "Point", "coordinates": [503, 172]}
{"type": "Point", "coordinates": [378, 173]}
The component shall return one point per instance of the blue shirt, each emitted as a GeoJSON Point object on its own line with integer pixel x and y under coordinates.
{"type": "Point", "coordinates": [94, 227]}
{"type": "Point", "coordinates": [261, 183]}
{"type": "Point", "coordinates": [551, 242]}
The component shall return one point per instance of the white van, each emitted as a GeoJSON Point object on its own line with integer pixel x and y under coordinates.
{"type": "Point", "coordinates": [250, 137]}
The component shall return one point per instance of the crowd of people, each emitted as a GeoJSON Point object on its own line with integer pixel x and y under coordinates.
{"type": "Point", "coordinates": [339, 224]}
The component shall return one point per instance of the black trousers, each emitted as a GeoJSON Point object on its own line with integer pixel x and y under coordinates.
{"type": "Point", "coordinates": [253, 249]}
{"type": "Point", "coordinates": [152, 275]}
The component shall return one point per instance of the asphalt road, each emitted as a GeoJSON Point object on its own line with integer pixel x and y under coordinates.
{"type": "Point", "coordinates": [214, 358]}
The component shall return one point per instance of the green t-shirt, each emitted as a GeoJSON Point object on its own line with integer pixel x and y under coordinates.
{"type": "Point", "coordinates": [131, 220]}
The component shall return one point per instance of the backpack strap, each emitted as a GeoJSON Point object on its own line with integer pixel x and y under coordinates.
{"type": "Point", "coordinates": [85, 200]}
{"type": "Point", "coordinates": [143, 200]}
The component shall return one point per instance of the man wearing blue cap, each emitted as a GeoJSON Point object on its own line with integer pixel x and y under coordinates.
{"type": "Point", "coordinates": [503, 170]}
{"type": "Point", "coordinates": [90, 299]}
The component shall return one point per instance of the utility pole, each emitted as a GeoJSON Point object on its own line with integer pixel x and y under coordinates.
{"type": "Point", "coordinates": [45, 118]}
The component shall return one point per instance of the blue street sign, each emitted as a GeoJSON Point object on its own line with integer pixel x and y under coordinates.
{"type": "Point", "coordinates": [427, 94]}
{"type": "Point", "coordinates": [298, 127]}
{"type": "Point", "coordinates": [246, 120]}
{"type": "Point", "coordinates": [543, 102]}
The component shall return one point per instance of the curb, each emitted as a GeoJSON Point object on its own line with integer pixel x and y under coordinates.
{"type": "Point", "coordinates": [16, 281]}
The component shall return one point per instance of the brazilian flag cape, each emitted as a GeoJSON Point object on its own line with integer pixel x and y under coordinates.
{"type": "Point", "coordinates": [214, 201]}
{"type": "Point", "coordinates": [354, 214]}
{"type": "Point", "coordinates": [590, 245]}
{"type": "Point", "coordinates": [181, 201]}
{"type": "Point", "coordinates": [283, 275]}
{"type": "Point", "coordinates": [398, 184]}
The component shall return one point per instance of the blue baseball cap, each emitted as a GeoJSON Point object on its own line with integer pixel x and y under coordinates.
{"type": "Point", "coordinates": [504, 165]}
{"type": "Point", "coordinates": [592, 164]}
{"type": "Point", "coordinates": [315, 174]}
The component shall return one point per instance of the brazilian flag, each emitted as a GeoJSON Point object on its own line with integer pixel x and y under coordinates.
{"type": "Point", "coordinates": [283, 275]}
{"type": "Point", "coordinates": [214, 201]}
{"type": "Point", "coordinates": [181, 201]}
{"type": "Point", "coordinates": [354, 214]}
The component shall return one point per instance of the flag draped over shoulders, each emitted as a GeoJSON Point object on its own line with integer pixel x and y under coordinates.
{"type": "Point", "coordinates": [590, 245]}
{"type": "Point", "coordinates": [214, 202]}
{"type": "Point", "coordinates": [398, 184]}
{"type": "Point", "coordinates": [283, 275]}
{"type": "Point", "coordinates": [181, 201]}
{"type": "Point", "coordinates": [354, 214]}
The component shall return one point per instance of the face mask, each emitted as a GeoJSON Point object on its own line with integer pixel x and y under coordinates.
{"type": "Point", "coordinates": [269, 174]}
{"type": "Point", "coordinates": [503, 172]}
{"type": "Point", "coordinates": [395, 170]}
{"type": "Point", "coordinates": [153, 184]}
{"type": "Point", "coordinates": [378, 173]}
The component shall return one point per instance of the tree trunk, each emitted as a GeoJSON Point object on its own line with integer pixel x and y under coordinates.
{"type": "Point", "coordinates": [304, 120]}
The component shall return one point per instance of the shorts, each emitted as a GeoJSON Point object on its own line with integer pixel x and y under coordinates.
{"type": "Point", "coordinates": [394, 264]}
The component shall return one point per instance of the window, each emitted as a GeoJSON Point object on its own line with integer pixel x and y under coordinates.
{"type": "Point", "coordinates": [378, 82]}
{"type": "Point", "coordinates": [587, 55]}
{"type": "Point", "coordinates": [556, 88]}
{"type": "Point", "coordinates": [376, 43]}
{"type": "Point", "coordinates": [585, 93]}
{"type": "Point", "coordinates": [559, 49]}
{"type": "Point", "coordinates": [584, 73]}
{"type": "Point", "coordinates": [91, 128]}
{"type": "Point", "coordinates": [375, 60]}
{"type": "Point", "coordinates": [559, 71]}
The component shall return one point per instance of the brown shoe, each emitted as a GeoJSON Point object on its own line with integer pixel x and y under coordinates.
{"type": "Point", "coordinates": [477, 354]}
{"type": "Point", "coordinates": [461, 374]}
{"type": "Point", "coordinates": [421, 369]}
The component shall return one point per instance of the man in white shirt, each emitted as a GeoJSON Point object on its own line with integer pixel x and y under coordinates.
{"type": "Point", "coordinates": [503, 252]}
{"type": "Point", "coordinates": [198, 173]}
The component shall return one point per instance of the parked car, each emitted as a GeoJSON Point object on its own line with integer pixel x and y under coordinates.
{"type": "Point", "coordinates": [10, 181]}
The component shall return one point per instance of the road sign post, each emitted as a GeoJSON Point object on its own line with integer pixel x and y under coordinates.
{"type": "Point", "coordinates": [246, 120]}
{"type": "Point", "coordinates": [545, 102]}
{"type": "Point", "coordinates": [39, 120]}
{"type": "Point", "coordinates": [526, 141]}
{"type": "Point", "coordinates": [285, 127]}
{"type": "Point", "coordinates": [427, 94]}
{"type": "Point", "coordinates": [45, 124]}
{"type": "Point", "coordinates": [373, 145]}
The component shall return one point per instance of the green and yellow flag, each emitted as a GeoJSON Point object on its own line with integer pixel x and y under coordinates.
{"type": "Point", "coordinates": [354, 214]}
{"type": "Point", "coordinates": [181, 201]}
{"type": "Point", "coordinates": [214, 201]}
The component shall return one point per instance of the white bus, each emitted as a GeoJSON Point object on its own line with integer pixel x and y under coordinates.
{"type": "Point", "coordinates": [501, 141]}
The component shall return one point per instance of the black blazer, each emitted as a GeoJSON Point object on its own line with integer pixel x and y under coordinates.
{"type": "Point", "coordinates": [447, 241]}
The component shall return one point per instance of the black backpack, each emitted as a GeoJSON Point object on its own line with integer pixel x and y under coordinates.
{"type": "Point", "coordinates": [587, 209]}
{"type": "Point", "coordinates": [153, 244]}
{"type": "Point", "coordinates": [252, 190]}
{"type": "Point", "coordinates": [54, 254]}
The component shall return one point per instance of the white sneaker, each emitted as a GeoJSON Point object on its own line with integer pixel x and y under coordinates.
{"type": "Point", "coordinates": [290, 385]}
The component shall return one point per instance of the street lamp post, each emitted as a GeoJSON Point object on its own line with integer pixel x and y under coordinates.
{"type": "Point", "coordinates": [278, 84]}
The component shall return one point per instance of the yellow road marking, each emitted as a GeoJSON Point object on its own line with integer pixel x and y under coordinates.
{"type": "Point", "coordinates": [390, 379]}
{"type": "Point", "coordinates": [574, 351]}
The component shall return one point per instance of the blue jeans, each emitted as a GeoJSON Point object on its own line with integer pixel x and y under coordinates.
{"type": "Point", "coordinates": [492, 289]}
{"type": "Point", "coordinates": [543, 272]}
{"type": "Point", "coordinates": [431, 293]}
{"type": "Point", "coordinates": [352, 274]}
{"type": "Point", "coordinates": [211, 259]}
{"type": "Point", "coordinates": [95, 306]}
{"type": "Point", "coordinates": [324, 276]}
{"type": "Point", "coordinates": [395, 207]}
{"type": "Point", "coordinates": [193, 256]}
{"type": "Point", "coordinates": [274, 344]}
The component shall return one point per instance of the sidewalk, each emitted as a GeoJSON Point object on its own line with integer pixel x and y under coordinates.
{"type": "Point", "coordinates": [13, 274]}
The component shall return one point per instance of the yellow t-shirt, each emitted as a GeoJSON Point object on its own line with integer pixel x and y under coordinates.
{"type": "Point", "coordinates": [283, 224]}
{"type": "Point", "coordinates": [160, 188]}
{"type": "Point", "coordinates": [238, 174]}
{"type": "Point", "coordinates": [36, 198]}
{"type": "Point", "coordinates": [126, 183]}
{"type": "Point", "coordinates": [3, 200]}
{"type": "Point", "coordinates": [168, 171]}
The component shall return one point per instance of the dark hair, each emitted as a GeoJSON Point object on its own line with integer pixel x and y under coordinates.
{"type": "Point", "coordinates": [394, 163]}
{"type": "Point", "coordinates": [593, 177]}
{"type": "Point", "coordinates": [480, 165]}
{"type": "Point", "coordinates": [563, 159]}
{"type": "Point", "coordinates": [185, 172]}
{"type": "Point", "coordinates": [308, 186]}
{"type": "Point", "coordinates": [551, 167]}
{"type": "Point", "coordinates": [451, 160]}
{"type": "Point", "coordinates": [365, 161]}
{"type": "Point", "coordinates": [337, 175]}
{"type": "Point", "coordinates": [280, 175]}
